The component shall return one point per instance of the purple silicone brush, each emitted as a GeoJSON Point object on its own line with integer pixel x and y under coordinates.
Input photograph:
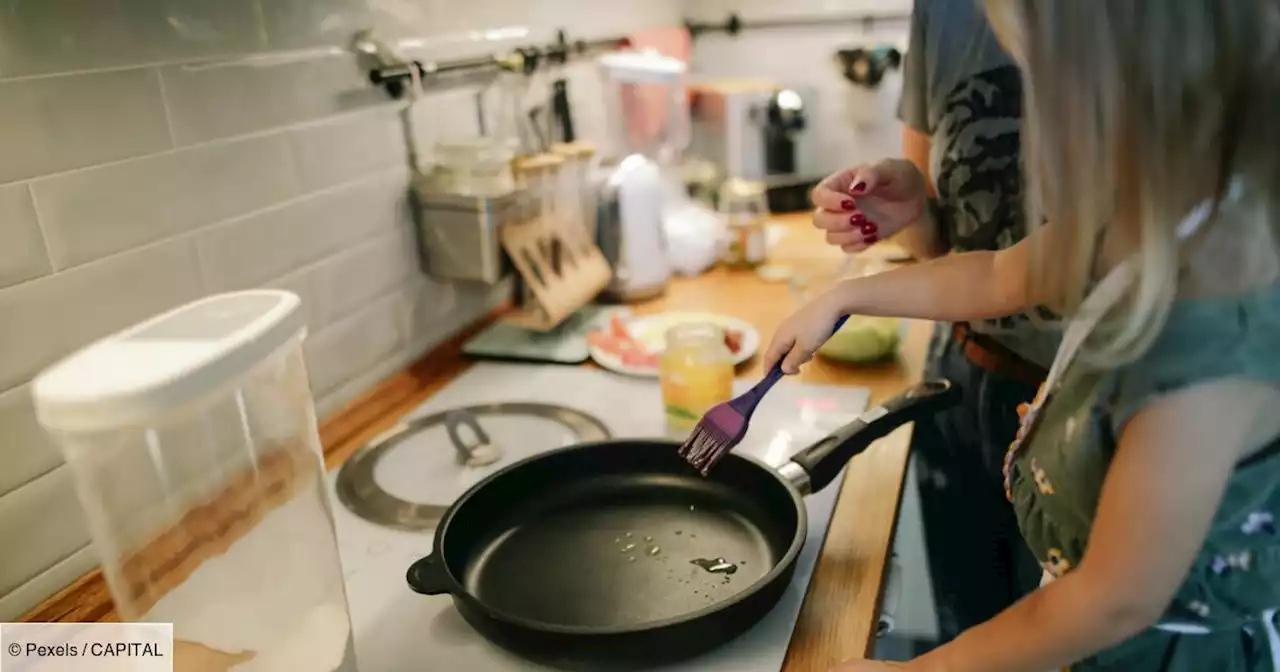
{"type": "Point", "coordinates": [725, 425]}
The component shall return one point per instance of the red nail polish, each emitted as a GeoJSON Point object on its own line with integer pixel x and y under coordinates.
{"type": "Point", "coordinates": [870, 240]}
{"type": "Point", "coordinates": [859, 187]}
{"type": "Point", "coordinates": [847, 205]}
{"type": "Point", "coordinates": [869, 229]}
{"type": "Point", "coordinates": [858, 219]}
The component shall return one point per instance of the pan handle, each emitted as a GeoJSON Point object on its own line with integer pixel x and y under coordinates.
{"type": "Point", "coordinates": [822, 461]}
{"type": "Point", "coordinates": [429, 576]}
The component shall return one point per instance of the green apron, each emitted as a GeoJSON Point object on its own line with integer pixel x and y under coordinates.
{"type": "Point", "coordinates": [1223, 616]}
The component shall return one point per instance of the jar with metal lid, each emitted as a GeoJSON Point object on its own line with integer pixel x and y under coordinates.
{"type": "Point", "coordinates": [744, 206]}
{"type": "Point", "coordinates": [695, 372]}
{"type": "Point", "coordinates": [538, 175]}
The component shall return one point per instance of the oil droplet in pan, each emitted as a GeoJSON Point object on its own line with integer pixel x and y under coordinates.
{"type": "Point", "coordinates": [631, 559]}
{"type": "Point", "coordinates": [654, 550]}
{"type": "Point", "coordinates": [717, 566]}
{"type": "Point", "coordinates": [628, 548]}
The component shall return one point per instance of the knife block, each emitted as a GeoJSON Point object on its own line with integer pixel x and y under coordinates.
{"type": "Point", "coordinates": [562, 271]}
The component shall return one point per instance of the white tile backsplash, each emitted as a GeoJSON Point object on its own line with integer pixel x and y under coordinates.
{"type": "Point", "coordinates": [45, 319]}
{"type": "Point", "coordinates": [343, 150]}
{"type": "Point", "coordinates": [141, 169]}
{"type": "Point", "coordinates": [347, 348]}
{"type": "Point", "coordinates": [207, 102]}
{"type": "Point", "coordinates": [297, 24]}
{"type": "Point", "coordinates": [45, 36]}
{"type": "Point", "coordinates": [26, 451]}
{"type": "Point", "coordinates": [249, 251]}
{"type": "Point", "coordinates": [92, 213]}
{"type": "Point", "coordinates": [56, 123]}
{"type": "Point", "coordinates": [358, 275]}
{"type": "Point", "coordinates": [22, 253]}
{"type": "Point", "coordinates": [45, 516]}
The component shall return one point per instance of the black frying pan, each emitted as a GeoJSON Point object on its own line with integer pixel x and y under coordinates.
{"type": "Point", "coordinates": [538, 557]}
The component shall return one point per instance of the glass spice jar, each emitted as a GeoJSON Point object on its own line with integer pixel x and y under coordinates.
{"type": "Point", "coordinates": [744, 206]}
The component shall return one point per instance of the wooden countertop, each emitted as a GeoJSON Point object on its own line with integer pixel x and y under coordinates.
{"type": "Point", "coordinates": [840, 612]}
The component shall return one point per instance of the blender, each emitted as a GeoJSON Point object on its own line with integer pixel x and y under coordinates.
{"type": "Point", "coordinates": [648, 115]}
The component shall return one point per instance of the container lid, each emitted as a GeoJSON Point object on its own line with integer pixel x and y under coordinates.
{"type": "Point", "coordinates": [167, 361]}
{"type": "Point", "coordinates": [575, 150]}
{"type": "Point", "coordinates": [536, 163]}
{"type": "Point", "coordinates": [643, 66]}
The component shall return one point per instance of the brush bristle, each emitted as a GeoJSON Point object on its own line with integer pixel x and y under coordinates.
{"type": "Point", "coordinates": [719, 431]}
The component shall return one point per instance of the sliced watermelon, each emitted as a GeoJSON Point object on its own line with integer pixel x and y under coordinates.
{"type": "Point", "coordinates": [618, 327]}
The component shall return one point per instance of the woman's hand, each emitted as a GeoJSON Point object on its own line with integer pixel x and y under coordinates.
{"type": "Point", "coordinates": [861, 205]}
{"type": "Point", "coordinates": [803, 333]}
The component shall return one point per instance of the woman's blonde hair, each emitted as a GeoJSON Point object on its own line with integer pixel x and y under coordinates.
{"type": "Point", "coordinates": [1135, 112]}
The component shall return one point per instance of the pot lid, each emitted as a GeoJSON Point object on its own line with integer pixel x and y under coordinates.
{"type": "Point", "coordinates": [408, 477]}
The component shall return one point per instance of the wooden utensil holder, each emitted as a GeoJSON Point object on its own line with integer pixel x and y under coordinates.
{"type": "Point", "coordinates": [562, 270]}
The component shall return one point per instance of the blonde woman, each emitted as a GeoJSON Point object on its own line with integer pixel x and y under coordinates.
{"type": "Point", "coordinates": [1146, 475]}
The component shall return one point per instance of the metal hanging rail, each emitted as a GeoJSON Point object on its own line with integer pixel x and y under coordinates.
{"type": "Point", "coordinates": [735, 24]}
{"type": "Point", "coordinates": [396, 77]}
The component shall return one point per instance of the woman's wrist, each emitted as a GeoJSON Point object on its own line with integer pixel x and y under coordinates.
{"type": "Point", "coordinates": [845, 297]}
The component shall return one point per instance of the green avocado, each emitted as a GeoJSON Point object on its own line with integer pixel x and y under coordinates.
{"type": "Point", "coordinates": [863, 339]}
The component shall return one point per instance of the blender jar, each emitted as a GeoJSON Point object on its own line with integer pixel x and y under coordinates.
{"type": "Point", "coordinates": [193, 444]}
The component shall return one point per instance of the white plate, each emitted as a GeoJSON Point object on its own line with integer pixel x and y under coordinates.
{"type": "Point", "coordinates": [651, 332]}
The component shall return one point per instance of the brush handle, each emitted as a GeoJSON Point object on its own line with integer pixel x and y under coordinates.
{"type": "Point", "coordinates": [753, 396]}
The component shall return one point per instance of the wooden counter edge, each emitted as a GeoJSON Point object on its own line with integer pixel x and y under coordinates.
{"type": "Point", "coordinates": [841, 610]}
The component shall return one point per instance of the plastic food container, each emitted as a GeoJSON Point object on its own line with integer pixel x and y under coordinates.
{"type": "Point", "coordinates": [474, 167]}
{"type": "Point", "coordinates": [192, 438]}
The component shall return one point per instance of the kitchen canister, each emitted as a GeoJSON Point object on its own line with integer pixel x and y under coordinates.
{"type": "Point", "coordinates": [193, 443]}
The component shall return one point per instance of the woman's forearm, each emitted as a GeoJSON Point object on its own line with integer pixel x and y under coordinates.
{"type": "Point", "coordinates": [923, 238]}
{"type": "Point", "coordinates": [1048, 630]}
{"type": "Point", "coordinates": [954, 288]}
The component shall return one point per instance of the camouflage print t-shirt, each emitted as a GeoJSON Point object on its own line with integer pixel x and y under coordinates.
{"type": "Point", "coordinates": [962, 90]}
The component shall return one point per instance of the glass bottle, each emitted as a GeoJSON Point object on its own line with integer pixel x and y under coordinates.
{"type": "Point", "coordinates": [745, 208]}
{"type": "Point", "coordinates": [696, 373]}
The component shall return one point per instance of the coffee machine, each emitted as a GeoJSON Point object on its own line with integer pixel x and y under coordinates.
{"type": "Point", "coordinates": [753, 129]}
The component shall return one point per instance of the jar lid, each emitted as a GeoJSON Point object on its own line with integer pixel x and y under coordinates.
{"type": "Point", "coordinates": [166, 362]}
{"type": "Point", "coordinates": [537, 163]}
{"type": "Point", "coordinates": [575, 150]}
{"type": "Point", "coordinates": [736, 187]}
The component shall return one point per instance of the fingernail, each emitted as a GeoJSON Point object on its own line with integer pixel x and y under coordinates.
{"type": "Point", "coordinates": [859, 187]}
{"type": "Point", "coordinates": [869, 229]}
{"type": "Point", "coordinates": [871, 239]}
{"type": "Point", "coordinates": [847, 205]}
{"type": "Point", "coordinates": [858, 219]}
